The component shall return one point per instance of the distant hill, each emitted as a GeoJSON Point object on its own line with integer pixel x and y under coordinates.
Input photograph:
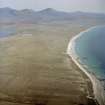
{"type": "Point", "coordinates": [46, 15]}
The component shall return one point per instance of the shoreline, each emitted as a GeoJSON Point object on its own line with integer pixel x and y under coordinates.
{"type": "Point", "coordinates": [96, 84]}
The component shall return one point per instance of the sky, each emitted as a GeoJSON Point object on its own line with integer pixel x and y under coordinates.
{"type": "Point", "coordinates": [63, 5]}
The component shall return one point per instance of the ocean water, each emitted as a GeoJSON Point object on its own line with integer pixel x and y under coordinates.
{"type": "Point", "coordinates": [90, 48]}
{"type": "Point", "coordinates": [7, 31]}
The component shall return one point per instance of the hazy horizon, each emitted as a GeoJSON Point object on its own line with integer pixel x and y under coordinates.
{"type": "Point", "coordinates": [61, 5]}
{"type": "Point", "coordinates": [53, 9]}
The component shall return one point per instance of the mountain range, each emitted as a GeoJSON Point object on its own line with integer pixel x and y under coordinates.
{"type": "Point", "coordinates": [46, 15]}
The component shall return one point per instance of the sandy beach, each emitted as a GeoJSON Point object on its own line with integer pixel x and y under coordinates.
{"type": "Point", "coordinates": [98, 89]}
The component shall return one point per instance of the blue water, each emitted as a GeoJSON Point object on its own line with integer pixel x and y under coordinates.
{"type": "Point", "coordinates": [6, 31]}
{"type": "Point", "coordinates": [90, 47]}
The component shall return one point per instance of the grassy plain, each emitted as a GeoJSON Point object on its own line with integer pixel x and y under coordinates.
{"type": "Point", "coordinates": [35, 70]}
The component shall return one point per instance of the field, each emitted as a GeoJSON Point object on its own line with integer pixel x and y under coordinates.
{"type": "Point", "coordinates": [35, 69]}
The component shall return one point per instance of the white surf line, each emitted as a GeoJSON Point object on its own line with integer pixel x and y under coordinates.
{"type": "Point", "coordinates": [97, 87]}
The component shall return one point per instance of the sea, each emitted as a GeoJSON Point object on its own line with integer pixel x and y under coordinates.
{"type": "Point", "coordinates": [7, 31]}
{"type": "Point", "coordinates": [90, 54]}
{"type": "Point", "coordinates": [90, 48]}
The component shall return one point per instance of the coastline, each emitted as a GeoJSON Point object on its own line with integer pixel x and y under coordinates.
{"type": "Point", "coordinates": [96, 84]}
{"type": "Point", "coordinates": [41, 73]}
